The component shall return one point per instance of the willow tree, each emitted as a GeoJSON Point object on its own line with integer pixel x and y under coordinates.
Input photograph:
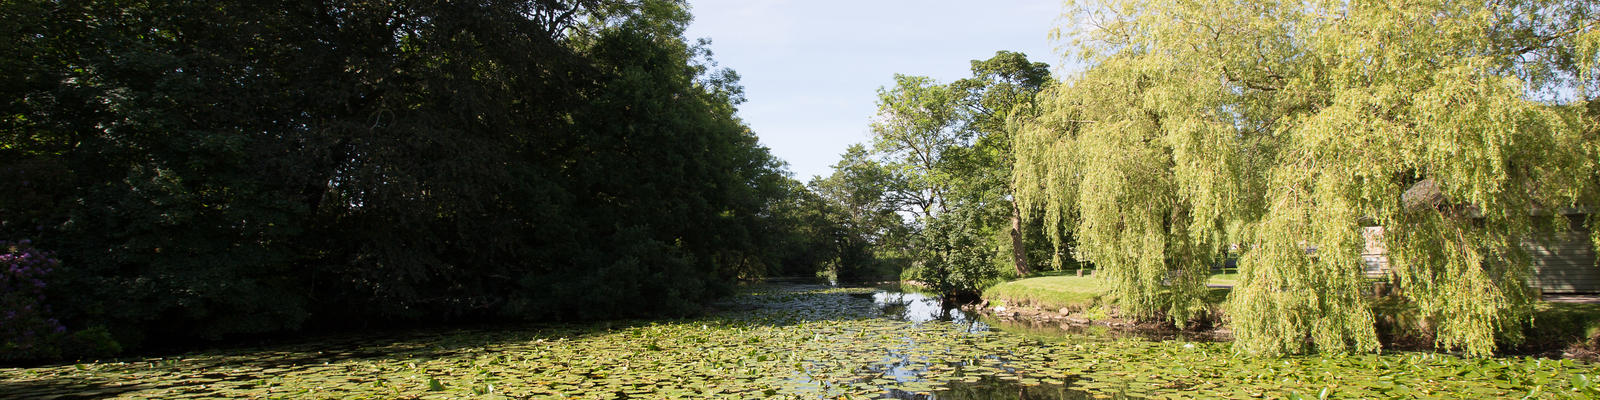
{"type": "Point", "coordinates": [1286, 128]}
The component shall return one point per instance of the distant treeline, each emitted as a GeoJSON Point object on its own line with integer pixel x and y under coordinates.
{"type": "Point", "coordinates": [218, 169]}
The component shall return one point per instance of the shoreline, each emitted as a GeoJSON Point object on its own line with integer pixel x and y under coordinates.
{"type": "Point", "coordinates": [1068, 320]}
{"type": "Point", "coordinates": [1210, 329]}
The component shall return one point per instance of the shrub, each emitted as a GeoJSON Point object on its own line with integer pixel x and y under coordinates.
{"type": "Point", "coordinates": [27, 329]}
{"type": "Point", "coordinates": [957, 262]}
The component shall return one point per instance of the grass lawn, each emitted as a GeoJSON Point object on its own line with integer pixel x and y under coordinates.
{"type": "Point", "coordinates": [1231, 279]}
{"type": "Point", "coordinates": [1048, 292]}
{"type": "Point", "coordinates": [1058, 290]}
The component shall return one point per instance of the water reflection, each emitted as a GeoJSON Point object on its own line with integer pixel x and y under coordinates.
{"type": "Point", "coordinates": [990, 388]}
{"type": "Point", "coordinates": [1062, 331]}
{"type": "Point", "coordinates": [899, 367]}
{"type": "Point", "coordinates": [919, 308]}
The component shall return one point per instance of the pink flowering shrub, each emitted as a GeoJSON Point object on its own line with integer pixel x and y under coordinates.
{"type": "Point", "coordinates": [26, 328]}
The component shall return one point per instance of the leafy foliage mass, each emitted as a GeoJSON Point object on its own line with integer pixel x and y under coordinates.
{"type": "Point", "coordinates": [1463, 128]}
{"type": "Point", "coordinates": [219, 168]}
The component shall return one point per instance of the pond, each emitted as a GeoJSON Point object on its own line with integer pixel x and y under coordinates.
{"type": "Point", "coordinates": [791, 341]}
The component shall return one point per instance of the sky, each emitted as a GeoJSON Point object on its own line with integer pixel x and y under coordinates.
{"type": "Point", "coordinates": [811, 68]}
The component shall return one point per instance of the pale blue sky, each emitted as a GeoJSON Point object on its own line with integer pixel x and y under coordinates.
{"type": "Point", "coordinates": [811, 69]}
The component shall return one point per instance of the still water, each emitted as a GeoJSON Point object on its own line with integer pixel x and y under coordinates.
{"type": "Point", "coordinates": [919, 308]}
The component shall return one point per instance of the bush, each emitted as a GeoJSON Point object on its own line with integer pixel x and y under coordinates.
{"type": "Point", "coordinates": [27, 328]}
{"type": "Point", "coordinates": [957, 261]}
{"type": "Point", "coordinates": [1572, 327]}
{"type": "Point", "coordinates": [94, 342]}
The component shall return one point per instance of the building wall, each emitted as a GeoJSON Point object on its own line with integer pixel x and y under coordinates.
{"type": "Point", "coordinates": [1567, 265]}
{"type": "Point", "coordinates": [1374, 254]}
{"type": "Point", "coordinates": [1564, 265]}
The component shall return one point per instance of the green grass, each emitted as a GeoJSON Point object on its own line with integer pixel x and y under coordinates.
{"type": "Point", "coordinates": [1230, 279]}
{"type": "Point", "coordinates": [1064, 289]}
{"type": "Point", "coordinates": [1048, 292]}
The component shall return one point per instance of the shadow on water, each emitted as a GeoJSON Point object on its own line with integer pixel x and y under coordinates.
{"type": "Point", "coordinates": [202, 373]}
{"type": "Point", "coordinates": [65, 389]}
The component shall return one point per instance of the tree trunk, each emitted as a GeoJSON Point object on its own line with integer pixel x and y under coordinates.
{"type": "Point", "coordinates": [1019, 250]}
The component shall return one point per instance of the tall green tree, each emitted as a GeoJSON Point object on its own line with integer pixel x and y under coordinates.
{"type": "Point", "coordinates": [1295, 126]}
{"type": "Point", "coordinates": [916, 126]}
{"type": "Point", "coordinates": [950, 146]}
{"type": "Point", "coordinates": [219, 168]}
{"type": "Point", "coordinates": [1000, 93]}
{"type": "Point", "coordinates": [870, 193]}
{"type": "Point", "coordinates": [867, 198]}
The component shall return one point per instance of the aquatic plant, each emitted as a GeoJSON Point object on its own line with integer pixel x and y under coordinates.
{"type": "Point", "coordinates": [804, 342]}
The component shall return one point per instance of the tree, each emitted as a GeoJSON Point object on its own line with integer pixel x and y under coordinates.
{"type": "Point", "coordinates": [870, 193]}
{"type": "Point", "coordinates": [223, 168]}
{"type": "Point", "coordinates": [866, 198]}
{"type": "Point", "coordinates": [916, 126]}
{"type": "Point", "coordinates": [1295, 125]}
{"type": "Point", "coordinates": [1000, 93]}
{"type": "Point", "coordinates": [947, 148]}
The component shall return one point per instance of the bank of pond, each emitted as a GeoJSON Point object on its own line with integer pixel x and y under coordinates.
{"type": "Point", "coordinates": [795, 341]}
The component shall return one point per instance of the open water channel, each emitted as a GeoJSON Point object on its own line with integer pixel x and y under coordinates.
{"type": "Point", "coordinates": [790, 340]}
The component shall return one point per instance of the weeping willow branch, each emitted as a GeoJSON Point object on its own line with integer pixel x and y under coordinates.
{"type": "Point", "coordinates": [1289, 133]}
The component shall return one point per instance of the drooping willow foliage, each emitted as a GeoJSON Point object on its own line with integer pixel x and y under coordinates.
{"type": "Point", "coordinates": [1464, 128]}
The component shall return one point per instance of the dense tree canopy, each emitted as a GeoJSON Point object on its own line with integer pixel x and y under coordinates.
{"type": "Point", "coordinates": [1285, 128]}
{"type": "Point", "coordinates": [216, 168]}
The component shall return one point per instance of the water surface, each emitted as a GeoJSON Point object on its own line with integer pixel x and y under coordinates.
{"type": "Point", "coordinates": [788, 341]}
